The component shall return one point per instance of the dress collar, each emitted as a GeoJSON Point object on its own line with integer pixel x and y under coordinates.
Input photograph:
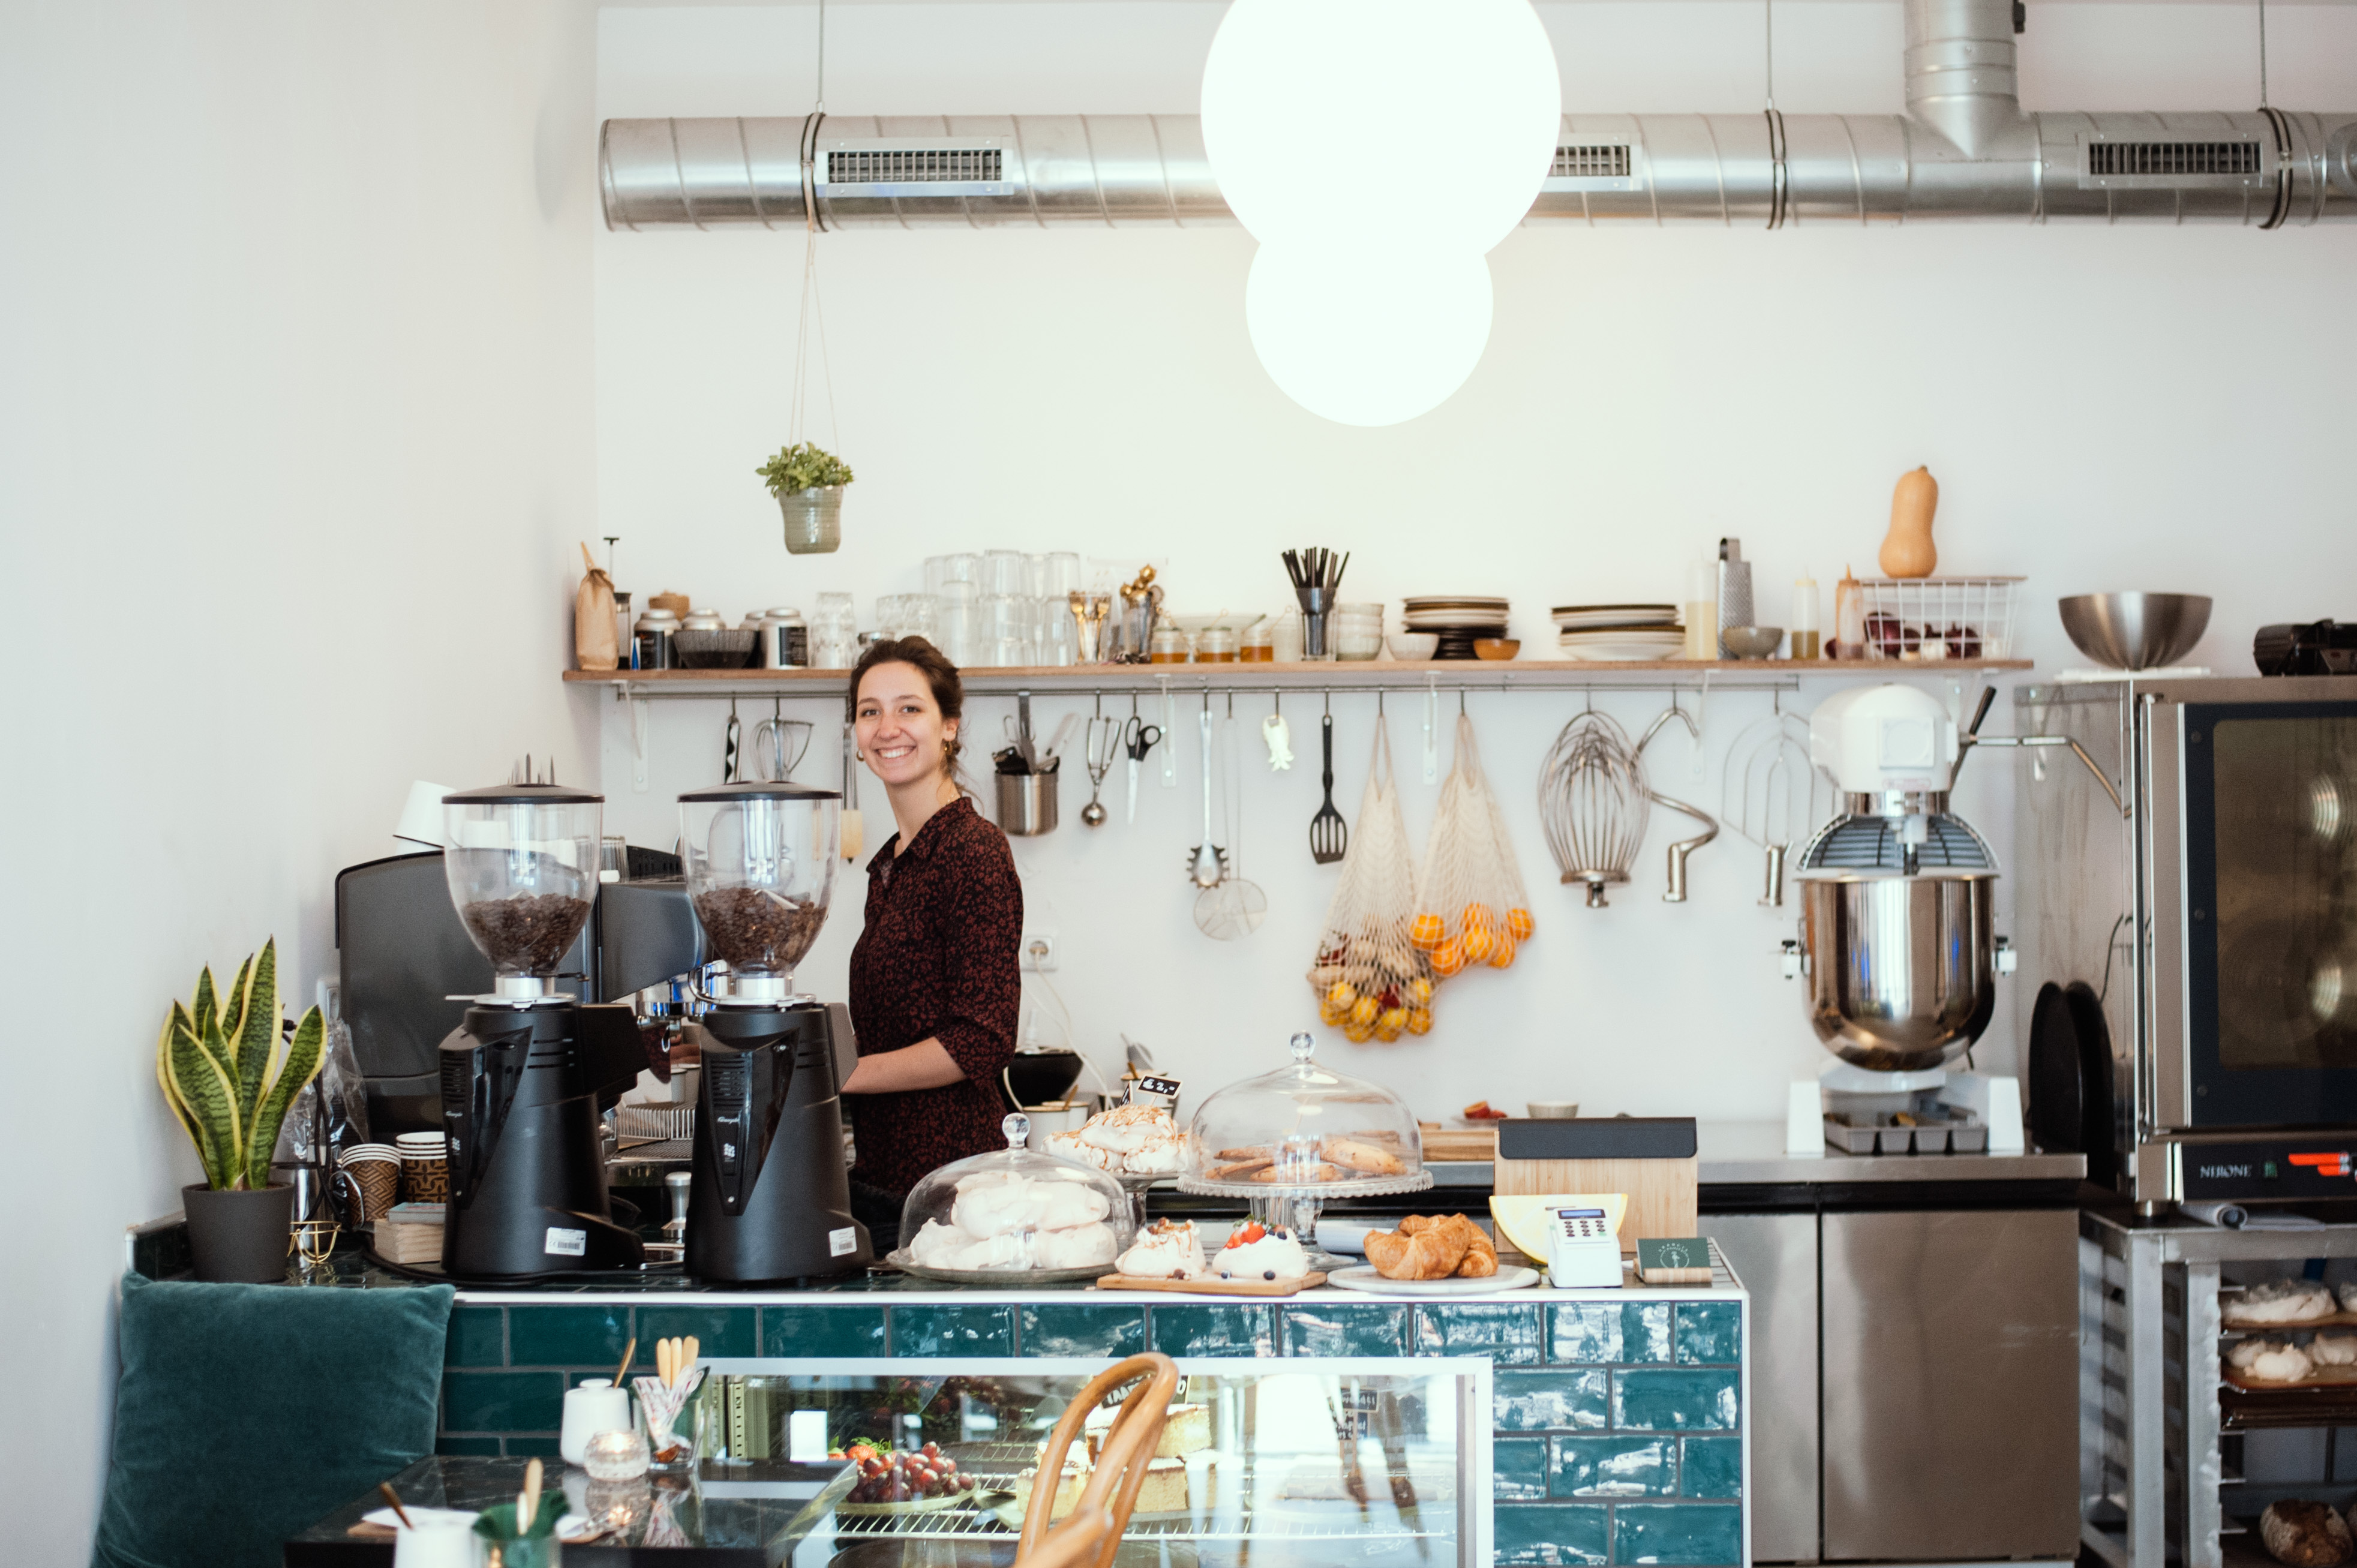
{"type": "Point", "coordinates": [923, 845]}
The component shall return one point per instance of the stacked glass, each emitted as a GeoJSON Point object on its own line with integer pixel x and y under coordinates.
{"type": "Point", "coordinates": [833, 633]}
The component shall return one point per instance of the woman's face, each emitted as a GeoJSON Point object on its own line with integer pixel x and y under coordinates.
{"type": "Point", "coordinates": [901, 732]}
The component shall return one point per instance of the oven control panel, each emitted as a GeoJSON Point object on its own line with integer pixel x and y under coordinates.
{"type": "Point", "coordinates": [2319, 1166]}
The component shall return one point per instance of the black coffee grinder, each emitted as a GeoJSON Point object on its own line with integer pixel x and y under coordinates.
{"type": "Point", "coordinates": [771, 1198]}
{"type": "Point", "coordinates": [521, 1077]}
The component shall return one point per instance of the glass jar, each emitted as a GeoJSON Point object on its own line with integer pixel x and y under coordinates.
{"type": "Point", "coordinates": [1216, 645]}
{"type": "Point", "coordinates": [1258, 644]}
{"type": "Point", "coordinates": [759, 868]}
{"type": "Point", "coordinates": [1013, 1216]}
{"type": "Point", "coordinates": [521, 862]}
{"type": "Point", "coordinates": [833, 633]}
{"type": "Point", "coordinates": [1168, 646]}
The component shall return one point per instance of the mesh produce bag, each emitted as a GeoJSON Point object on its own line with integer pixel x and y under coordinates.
{"type": "Point", "coordinates": [1472, 907]}
{"type": "Point", "coordinates": [1371, 982]}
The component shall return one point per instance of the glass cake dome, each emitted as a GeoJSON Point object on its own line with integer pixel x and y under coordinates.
{"type": "Point", "coordinates": [1013, 1217]}
{"type": "Point", "coordinates": [1307, 1132]}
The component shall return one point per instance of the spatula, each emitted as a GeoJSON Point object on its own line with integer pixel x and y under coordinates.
{"type": "Point", "coordinates": [1330, 835]}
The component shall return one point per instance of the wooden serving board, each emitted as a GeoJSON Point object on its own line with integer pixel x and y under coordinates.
{"type": "Point", "coordinates": [1445, 1143]}
{"type": "Point", "coordinates": [1208, 1286]}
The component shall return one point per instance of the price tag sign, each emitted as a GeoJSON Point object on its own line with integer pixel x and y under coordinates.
{"type": "Point", "coordinates": [1166, 1086]}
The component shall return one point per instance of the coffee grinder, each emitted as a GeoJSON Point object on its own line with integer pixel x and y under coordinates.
{"type": "Point", "coordinates": [521, 1077]}
{"type": "Point", "coordinates": [771, 1198]}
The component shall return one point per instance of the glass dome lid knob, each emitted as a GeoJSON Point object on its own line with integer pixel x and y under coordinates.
{"type": "Point", "coordinates": [1303, 1045]}
{"type": "Point", "coordinates": [1017, 1128]}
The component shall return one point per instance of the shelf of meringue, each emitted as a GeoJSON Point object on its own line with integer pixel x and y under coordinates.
{"type": "Point", "coordinates": [2258, 1324]}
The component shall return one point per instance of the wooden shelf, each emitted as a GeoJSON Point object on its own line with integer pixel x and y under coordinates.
{"type": "Point", "coordinates": [1337, 675]}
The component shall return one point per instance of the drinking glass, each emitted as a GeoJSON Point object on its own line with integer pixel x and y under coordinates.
{"type": "Point", "coordinates": [1004, 572]}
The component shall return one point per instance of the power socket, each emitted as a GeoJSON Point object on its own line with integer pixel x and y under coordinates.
{"type": "Point", "coordinates": [1040, 951]}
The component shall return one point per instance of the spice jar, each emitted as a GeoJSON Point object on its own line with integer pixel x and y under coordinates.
{"type": "Point", "coordinates": [1258, 645]}
{"type": "Point", "coordinates": [656, 640]}
{"type": "Point", "coordinates": [1216, 645]}
{"type": "Point", "coordinates": [1168, 646]}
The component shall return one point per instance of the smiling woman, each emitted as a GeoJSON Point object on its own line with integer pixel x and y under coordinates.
{"type": "Point", "coordinates": [935, 981]}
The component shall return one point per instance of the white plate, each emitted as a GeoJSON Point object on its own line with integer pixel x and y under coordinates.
{"type": "Point", "coordinates": [1617, 651]}
{"type": "Point", "coordinates": [1510, 1276]}
{"type": "Point", "coordinates": [1615, 620]}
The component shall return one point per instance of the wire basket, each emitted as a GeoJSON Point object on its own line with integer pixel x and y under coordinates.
{"type": "Point", "coordinates": [1939, 618]}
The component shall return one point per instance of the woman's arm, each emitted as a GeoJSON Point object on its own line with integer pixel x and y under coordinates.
{"type": "Point", "coordinates": [924, 1065]}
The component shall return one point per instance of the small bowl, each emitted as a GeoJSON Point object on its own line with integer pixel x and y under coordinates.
{"type": "Point", "coordinates": [1752, 641]}
{"type": "Point", "coordinates": [1415, 645]}
{"type": "Point", "coordinates": [1497, 647]}
{"type": "Point", "coordinates": [1552, 1109]}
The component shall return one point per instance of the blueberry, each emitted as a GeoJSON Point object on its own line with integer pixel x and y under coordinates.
{"type": "Point", "coordinates": [1268, 1274]}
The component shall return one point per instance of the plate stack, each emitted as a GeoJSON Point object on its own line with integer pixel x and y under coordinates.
{"type": "Point", "coordinates": [1458, 621]}
{"type": "Point", "coordinates": [1619, 631]}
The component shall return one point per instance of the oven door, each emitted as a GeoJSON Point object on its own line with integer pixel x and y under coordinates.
{"type": "Point", "coordinates": [2268, 915]}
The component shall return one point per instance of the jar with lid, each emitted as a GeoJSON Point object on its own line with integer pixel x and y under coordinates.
{"type": "Point", "coordinates": [1168, 646]}
{"type": "Point", "coordinates": [656, 640]}
{"type": "Point", "coordinates": [785, 639]}
{"type": "Point", "coordinates": [1258, 645]}
{"type": "Point", "coordinates": [702, 620]}
{"type": "Point", "coordinates": [1216, 645]}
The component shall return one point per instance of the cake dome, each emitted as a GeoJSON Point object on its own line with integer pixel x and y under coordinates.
{"type": "Point", "coordinates": [1306, 1130]}
{"type": "Point", "coordinates": [1013, 1214]}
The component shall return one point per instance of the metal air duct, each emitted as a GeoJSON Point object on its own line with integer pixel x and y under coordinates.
{"type": "Point", "coordinates": [1964, 151]}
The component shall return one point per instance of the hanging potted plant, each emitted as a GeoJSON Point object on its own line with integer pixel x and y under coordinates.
{"type": "Point", "coordinates": [229, 1082]}
{"type": "Point", "coordinates": [808, 483]}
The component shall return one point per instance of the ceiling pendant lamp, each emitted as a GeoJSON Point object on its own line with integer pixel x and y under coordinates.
{"type": "Point", "coordinates": [1377, 149]}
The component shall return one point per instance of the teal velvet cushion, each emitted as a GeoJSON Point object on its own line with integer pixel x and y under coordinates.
{"type": "Point", "coordinates": [247, 1412]}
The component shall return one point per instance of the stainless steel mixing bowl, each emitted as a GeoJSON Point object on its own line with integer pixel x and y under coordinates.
{"type": "Point", "coordinates": [1901, 971]}
{"type": "Point", "coordinates": [2136, 631]}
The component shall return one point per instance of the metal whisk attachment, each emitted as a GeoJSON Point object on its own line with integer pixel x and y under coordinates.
{"type": "Point", "coordinates": [1593, 803]}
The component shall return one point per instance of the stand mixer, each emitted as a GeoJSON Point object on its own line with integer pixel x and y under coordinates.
{"type": "Point", "coordinates": [522, 1075]}
{"type": "Point", "coordinates": [769, 1198]}
{"type": "Point", "coordinates": [1898, 938]}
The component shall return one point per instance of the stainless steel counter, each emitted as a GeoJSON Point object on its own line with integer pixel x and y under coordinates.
{"type": "Point", "coordinates": [1746, 1154]}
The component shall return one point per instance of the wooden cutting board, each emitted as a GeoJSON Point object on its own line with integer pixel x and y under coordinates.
{"type": "Point", "coordinates": [1208, 1286]}
{"type": "Point", "coordinates": [1452, 1144]}
{"type": "Point", "coordinates": [1651, 1160]}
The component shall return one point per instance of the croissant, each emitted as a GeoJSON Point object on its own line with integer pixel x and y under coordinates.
{"type": "Point", "coordinates": [1429, 1253]}
{"type": "Point", "coordinates": [1481, 1256]}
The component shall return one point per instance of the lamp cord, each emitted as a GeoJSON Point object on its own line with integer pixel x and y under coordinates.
{"type": "Point", "coordinates": [811, 305]}
{"type": "Point", "coordinates": [1769, 18]}
{"type": "Point", "coordinates": [2262, 53]}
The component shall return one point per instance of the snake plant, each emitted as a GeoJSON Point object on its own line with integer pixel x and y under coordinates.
{"type": "Point", "coordinates": [216, 1063]}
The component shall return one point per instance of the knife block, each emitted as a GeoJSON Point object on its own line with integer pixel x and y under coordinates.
{"type": "Point", "coordinates": [1653, 1160]}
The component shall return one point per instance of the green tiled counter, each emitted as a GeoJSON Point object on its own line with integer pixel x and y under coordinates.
{"type": "Point", "coordinates": [1619, 1423]}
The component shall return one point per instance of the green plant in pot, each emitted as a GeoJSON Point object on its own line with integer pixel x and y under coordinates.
{"type": "Point", "coordinates": [230, 1082]}
{"type": "Point", "coordinates": [808, 484]}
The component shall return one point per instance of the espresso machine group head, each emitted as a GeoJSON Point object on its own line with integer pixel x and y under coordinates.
{"type": "Point", "coordinates": [771, 1198]}
{"type": "Point", "coordinates": [521, 1075]}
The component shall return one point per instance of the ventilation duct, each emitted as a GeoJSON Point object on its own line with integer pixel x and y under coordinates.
{"type": "Point", "coordinates": [1964, 151]}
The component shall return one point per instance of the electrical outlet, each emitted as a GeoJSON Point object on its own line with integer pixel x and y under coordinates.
{"type": "Point", "coordinates": [1040, 951]}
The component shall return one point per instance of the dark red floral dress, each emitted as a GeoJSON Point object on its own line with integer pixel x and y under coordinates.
{"type": "Point", "coordinates": [940, 959]}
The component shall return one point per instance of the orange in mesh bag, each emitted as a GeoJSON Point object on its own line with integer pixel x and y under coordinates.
{"type": "Point", "coordinates": [1472, 908]}
{"type": "Point", "coordinates": [1372, 981]}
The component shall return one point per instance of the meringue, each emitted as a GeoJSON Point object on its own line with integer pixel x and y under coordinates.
{"type": "Point", "coordinates": [1168, 1248]}
{"type": "Point", "coordinates": [1275, 1255]}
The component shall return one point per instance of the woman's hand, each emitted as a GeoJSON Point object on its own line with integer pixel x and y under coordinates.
{"type": "Point", "coordinates": [924, 1065]}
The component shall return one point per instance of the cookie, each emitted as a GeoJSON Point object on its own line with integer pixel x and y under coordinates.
{"type": "Point", "coordinates": [1361, 1156]}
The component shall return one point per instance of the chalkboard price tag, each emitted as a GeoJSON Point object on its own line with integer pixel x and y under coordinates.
{"type": "Point", "coordinates": [1673, 1261]}
{"type": "Point", "coordinates": [1166, 1086]}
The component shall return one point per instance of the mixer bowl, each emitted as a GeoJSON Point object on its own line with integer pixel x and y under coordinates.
{"type": "Point", "coordinates": [1900, 969]}
{"type": "Point", "coordinates": [2136, 631]}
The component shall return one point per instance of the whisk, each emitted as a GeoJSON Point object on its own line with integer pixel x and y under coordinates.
{"type": "Point", "coordinates": [1593, 803]}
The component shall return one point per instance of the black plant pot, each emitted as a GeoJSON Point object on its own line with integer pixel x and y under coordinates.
{"type": "Point", "coordinates": [239, 1237]}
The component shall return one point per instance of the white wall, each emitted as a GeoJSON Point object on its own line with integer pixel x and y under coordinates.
{"type": "Point", "coordinates": [294, 439]}
{"type": "Point", "coordinates": [2105, 408]}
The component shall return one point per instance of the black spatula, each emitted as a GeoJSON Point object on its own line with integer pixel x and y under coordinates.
{"type": "Point", "coordinates": [1330, 835]}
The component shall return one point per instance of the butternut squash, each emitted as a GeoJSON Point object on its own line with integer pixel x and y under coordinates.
{"type": "Point", "coordinates": [1907, 550]}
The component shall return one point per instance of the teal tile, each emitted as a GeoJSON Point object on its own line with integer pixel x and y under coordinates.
{"type": "Point", "coordinates": [1215, 1330]}
{"type": "Point", "coordinates": [1552, 1536]}
{"type": "Point", "coordinates": [1713, 1468]}
{"type": "Point", "coordinates": [952, 1330]}
{"type": "Point", "coordinates": [531, 1447]}
{"type": "Point", "coordinates": [1540, 1401]}
{"type": "Point", "coordinates": [1681, 1534]}
{"type": "Point", "coordinates": [502, 1401]}
{"type": "Point", "coordinates": [571, 1336]}
{"type": "Point", "coordinates": [478, 1338]}
{"type": "Point", "coordinates": [1509, 1336]}
{"type": "Point", "coordinates": [475, 1447]}
{"type": "Point", "coordinates": [1607, 1333]}
{"type": "Point", "coordinates": [816, 1331]}
{"type": "Point", "coordinates": [719, 1330]}
{"type": "Point", "coordinates": [1616, 1467]}
{"type": "Point", "coordinates": [1344, 1330]}
{"type": "Point", "coordinates": [1078, 1330]}
{"type": "Point", "coordinates": [1518, 1469]}
{"type": "Point", "coordinates": [1709, 1332]}
{"type": "Point", "coordinates": [1665, 1400]}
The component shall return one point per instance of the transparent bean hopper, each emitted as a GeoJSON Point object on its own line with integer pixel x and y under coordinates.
{"type": "Point", "coordinates": [769, 1199]}
{"type": "Point", "coordinates": [523, 865]}
{"type": "Point", "coordinates": [1013, 1217]}
{"type": "Point", "coordinates": [1292, 1140]}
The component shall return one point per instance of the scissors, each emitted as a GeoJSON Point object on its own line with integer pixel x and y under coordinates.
{"type": "Point", "coordinates": [1139, 737]}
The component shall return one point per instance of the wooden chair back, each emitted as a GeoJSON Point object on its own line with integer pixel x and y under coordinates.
{"type": "Point", "coordinates": [1089, 1538]}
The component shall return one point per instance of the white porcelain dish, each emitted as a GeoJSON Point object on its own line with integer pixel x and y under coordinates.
{"type": "Point", "coordinates": [1510, 1276]}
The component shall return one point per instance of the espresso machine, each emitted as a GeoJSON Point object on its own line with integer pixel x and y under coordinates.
{"type": "Point", "coordinates": [521, 1075]}
{"type": "Point", "coordinates": [769, 1198]}
{"type": "Point", "coordinates": [1898, 938]}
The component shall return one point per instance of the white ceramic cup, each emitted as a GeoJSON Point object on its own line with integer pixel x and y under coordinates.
{"type": "Point", "coordinates": [595, 1406]}
{"type": "Point", "coordinates": [435, 1543]}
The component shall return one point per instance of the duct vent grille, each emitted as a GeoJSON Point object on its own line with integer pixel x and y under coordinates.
{"type": "Point", "coordinates": [2166, 158]}
{"type": "Point", "coordinates": [918, 165]}
{"type": "Point", "coordinates": [1600, 160]}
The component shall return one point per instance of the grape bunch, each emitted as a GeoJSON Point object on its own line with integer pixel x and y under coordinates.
{"type": "Point", "coordinates": [906, 1475]}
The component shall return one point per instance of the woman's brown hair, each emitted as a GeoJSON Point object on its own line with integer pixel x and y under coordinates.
{"type": "Point", "coordinates": [941, 675]}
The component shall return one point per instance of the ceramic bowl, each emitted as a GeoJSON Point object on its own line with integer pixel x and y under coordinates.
{"type": "Point", "coordinates": [1497, 647]}
{"type": "Point", "coordinates": [1415, 645]}
{"type": "Point", "coordinates": [1752, 641]}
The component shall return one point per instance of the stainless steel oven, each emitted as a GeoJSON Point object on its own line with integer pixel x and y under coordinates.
{"type": "Point", "coordinates": [2188, 922]}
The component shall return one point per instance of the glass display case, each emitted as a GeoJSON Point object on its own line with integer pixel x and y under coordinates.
{"type": "Point", "coordinates": [1299, 1464]}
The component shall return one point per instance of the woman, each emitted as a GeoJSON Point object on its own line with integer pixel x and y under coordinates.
{"type": "Point", "coordinates": [936, 984]}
